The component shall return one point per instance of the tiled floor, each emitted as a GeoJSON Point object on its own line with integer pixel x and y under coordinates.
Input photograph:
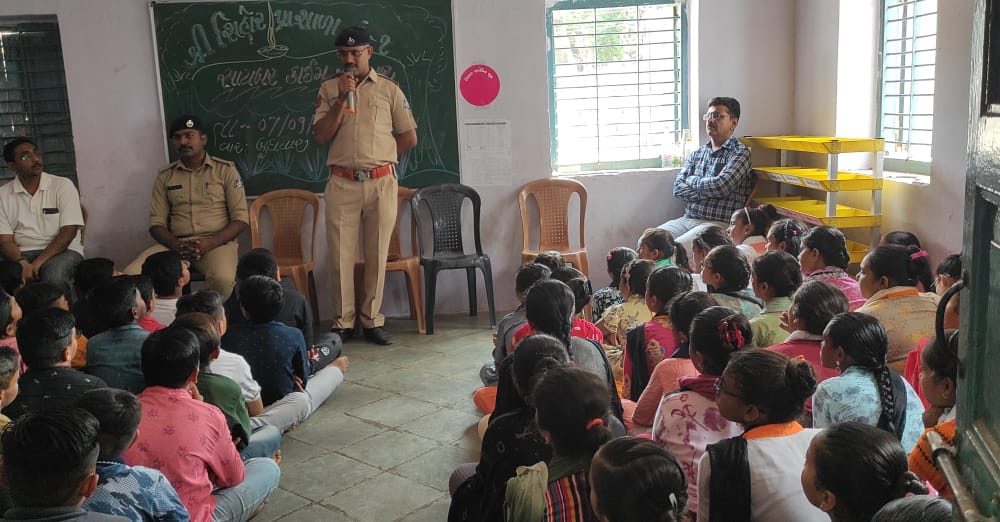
{"type": "Point", "coordinates": [383, 446]}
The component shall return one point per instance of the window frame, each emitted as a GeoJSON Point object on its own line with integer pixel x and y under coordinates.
{"type": "Point", "coordinates": [48, 25]}
{"type": "Point", "coordinates": [897, 164]}
{"type": "Point", "coordinates": [638, 163]}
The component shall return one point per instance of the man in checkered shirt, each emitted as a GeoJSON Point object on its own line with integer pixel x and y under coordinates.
{"type": "Point", "coordinates": [716, 180]}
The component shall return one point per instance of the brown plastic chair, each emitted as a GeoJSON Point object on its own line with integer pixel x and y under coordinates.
{"type": "Point", "coordinates": [552, 196]}
{"type": "Point", "coordinates": [288, 208]}
{"type": "Point", "coordinates": [409, 265]}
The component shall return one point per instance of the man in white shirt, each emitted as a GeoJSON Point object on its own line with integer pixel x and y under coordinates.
{"type": "Point", "coordinates": [40, 218]}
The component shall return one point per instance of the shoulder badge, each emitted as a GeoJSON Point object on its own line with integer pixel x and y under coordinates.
{"type": "Point", "coordinates": [239, 182]}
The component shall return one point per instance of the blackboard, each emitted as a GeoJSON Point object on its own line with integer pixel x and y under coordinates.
{"type": "Point", "coordinates": [252, 70]}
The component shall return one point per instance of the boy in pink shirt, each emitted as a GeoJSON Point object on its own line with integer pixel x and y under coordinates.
{"type": "Point", "coordinates": [188, 440]}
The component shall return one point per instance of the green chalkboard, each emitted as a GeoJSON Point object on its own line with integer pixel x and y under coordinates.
{"type": "Point", "coordinates": [252, 70]}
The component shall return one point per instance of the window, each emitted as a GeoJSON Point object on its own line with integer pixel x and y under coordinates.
{"type": "Point", "coordinates": [617, 82]}
{"type": "Point", "coordinates": [33, 99]}
{"type": "Point", "coordinates": [909, 43]}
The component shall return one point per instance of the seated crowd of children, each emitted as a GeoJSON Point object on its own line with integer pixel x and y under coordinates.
{"type": "Point", "coordinates": [762, 383]}
{"type": "Point", "coordinates": [131, 400]}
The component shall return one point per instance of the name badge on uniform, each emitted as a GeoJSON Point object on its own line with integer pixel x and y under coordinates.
{"type": "Point", "coordinates": [50, 211]}
{"type": "Point", "coordinates": [174, 187]}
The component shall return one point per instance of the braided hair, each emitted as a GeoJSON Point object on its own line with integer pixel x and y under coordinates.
{"type": "Point", "coordinates": [716, 333]}
{"type": "Point", "coordinates": [864, 467]}
{"type": "Point", "coordinates": [729, 262]}
{"type": "Point", "coordinates": [536, 355]}
{"type": "Point", "coordinates": [637, 273]}
{"type": "Point", "coordinates": [831, 245]}
{"type": "Point", "coordinates": [578, 283]}
{"type": "Point", "coordinates": [789, 232]}
{"type": "Point", "coordinates": [549, 308]}
{"type": "Point", "coordinates": [815, 303]}
{"type": "Point", "coordinates": [618, 257]}
{"type": "Point", "coordinates": [667, 282]}
{"type": "Point", "coordinates": [865, 343]}
{"type": "Point", "coordinates": [636, 479]}
{"type": "Point", "coordinates": [574, 406]}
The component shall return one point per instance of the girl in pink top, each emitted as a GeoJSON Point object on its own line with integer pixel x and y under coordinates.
{"type": "Point", "coordinates": [689, 420]}
{"type": "Point", "coordinates": [824, 257]}
{"type": "Point", "coordinates": [814, 304]}
{"type": "Point", "coordinates": [668, 372]}
{"type": "Point", "coordinates": [649, 343]}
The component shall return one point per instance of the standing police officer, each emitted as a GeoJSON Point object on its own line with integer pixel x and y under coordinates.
{"type": "Point", "coordinates": [366, 119]}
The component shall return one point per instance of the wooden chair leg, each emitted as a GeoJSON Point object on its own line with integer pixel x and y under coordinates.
{"type": "Point", "coordinates": [416, 301]}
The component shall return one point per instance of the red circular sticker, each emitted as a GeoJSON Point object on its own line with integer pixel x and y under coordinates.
{"type": "Point", "coordinates": [479, 85]}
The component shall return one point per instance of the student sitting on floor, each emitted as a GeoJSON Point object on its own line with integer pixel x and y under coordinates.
{"type": "Point", "coordinates": [225, 394]}
{"type": "Point", "coordinates": [211, 479]}
{"type": "Point", "coordinates": [134, 492]}
{"type": "Point", "coordinates": [295, 310]}
{"type": "Point", "coordinates": [115, 355]}
{"type": "Point", "coordinates": [620, 318]}
{"type": "Point", "coordinates": [703, 243]}
{"type": "Point", "coordinates": [10, 362]}
{"type": "Point", "coordinates": [633, 479]}
{"type": "Point", "coordinates": [611, 295]}
{"type": "Point", "coordinates": [170, 275]}
{"type": "Point", "coordinates": [88, 275]}
{"type": "Point", "coordinates": [921, 265]}
{"type": "Point", "coordinates": [503, 338]}
{"type": "Point", "coordinates": [939, 379]}
{"type": "Point", "coordinates": [659, 246]}
{"type": "Point", "coordinates": [814, 304]}
{"type": "Point", "coordinates": [582, 292]}
{"type": "Point", "coordinates": [786, 235]}
{"type": "Point", "coordinates": [726, 272]}
{"type": "Point", "coordinates": [49, 465]}
{"type": "Point", "coordinates": [824, 257]}
{"type": "Point", "coordinates": [916, 508]}
{"type": "Point", "coordinates": [40, 296]}
{"type": "Point", "coordinates": [748, 227]}
{"type": "Point", "coordinates": [11, 276]}
{"type": "Point", "coordinates": [47, 341]}
{"type": "Point", "coordinates": [277, 353]}
{"type": "Point", "coordinates": [775, 278]}
{"type": "Point", "coordinates": [756, 475]}
{"type": "Point", "coordinates": [668, 372]}
{"type": "Point", "coordinates": [144, 284]}
{"type": "Point", "coordinates": [852, 470]}
{"type": "Point", "coordinates": [948, 271]}
{"type": "Point", "coordinates": [10, 314]}
{"type": "Point", "coordinates": [550, 259]}
{"type": "Point", "coordinates": [572, 412]}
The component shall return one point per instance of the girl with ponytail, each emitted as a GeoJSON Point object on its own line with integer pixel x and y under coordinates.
{"type": "Point", "coordinates": [726, 272]}
{"type": "Point", "coordinates": [611, 295]}
{"type": "Point", "coordinates": [748, 227]}
{"type": "Point", "coordinates": [688, 420]}
{"type": "Point", "coordinates": [765, 392]}
{"type": "Point", "coordinates": [785, 235]}
{"type": "Point", "coordinates": [622, 317]}
{"type": "Point", "coordinates": [824, 258]}
{"type": "Point", "coordinates": [888, 280]}
{"type": "Point", "coordinates": [867, 390]}
{"type": "Point", "coordinates": [634, 479]}
{"type": "Point", "coordinates": [660, 247]}
{"type": "Point", "coordinates": [572, 412]}
{"type": "Point", "coordinates": [511, 439]}
{"type": "Point", "coordinates": [853, 469]}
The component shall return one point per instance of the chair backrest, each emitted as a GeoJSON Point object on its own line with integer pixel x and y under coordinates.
{"type": "Point", "coordinates": [445, 204]}
{"type": "Point", "coordinates": [404, 197]}
{"type": "Point", "coordinates": [552, 195]}
{"type": "Point", "coordinates": [287, 208]}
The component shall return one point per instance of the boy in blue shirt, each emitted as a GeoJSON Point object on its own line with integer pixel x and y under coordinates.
{"type": "Point", "coordinates": [277, 353]}
{"type": "Point", "coordinates": [135, 492]}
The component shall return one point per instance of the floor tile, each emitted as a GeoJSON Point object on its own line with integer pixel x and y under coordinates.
{"type": "Point", "coordinates": [389, 449]}
{"type": "Point", "coordinates": [323, 476]}
{"type": "Point", "coordinates": [279, 504]}
{"type": "Point", "coordinates": [433, 468]}
{"type": "Point", "coordinates": [394, 411]}
{"type": "Point", "coordinates": [295, 451]}
{"type": "Point", "coordinates": [351, 395]}
{"type": "Point", "coordinates": [385, 497]}
{"type": "Point", "coordinates": [436, 512]}
{"type": "Point", "coordinates": [334, 431]}
{"type": "Point", "coordinates": [445, 425]}
{"type": "Point", "coordinates": [316, 513]}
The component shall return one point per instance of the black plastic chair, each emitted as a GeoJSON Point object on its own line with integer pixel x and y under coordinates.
{"type": "Point", "coordinates": [445, 205]}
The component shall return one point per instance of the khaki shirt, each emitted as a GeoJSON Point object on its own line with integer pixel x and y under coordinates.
{"type": "Point", "coordinates": [198, 203]}
{"type": "Point", "coordinates": [367, 138]}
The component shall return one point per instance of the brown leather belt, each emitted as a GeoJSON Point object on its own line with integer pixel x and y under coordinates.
{"type": "Point", "coordinates": [363, 174]}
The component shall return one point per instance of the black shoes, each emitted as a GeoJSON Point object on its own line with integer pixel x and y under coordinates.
{"type": "Point", "coordinates": [344, 333]}
{"type": "Point", "coordinates": [378, 335]}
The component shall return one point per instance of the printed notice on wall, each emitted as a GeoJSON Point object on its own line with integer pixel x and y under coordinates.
{"type": "Point", "coordinates": [486, 158]}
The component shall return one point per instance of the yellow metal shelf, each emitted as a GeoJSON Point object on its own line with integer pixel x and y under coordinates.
{"type": "Point", "coordinates": [817, 179]}
{"type": "Point", "coordinates": [856, 251]}
{"type": "Point", "coordinates": [814, 212]}
{"type": "Point", "coordinates": [816, 144]}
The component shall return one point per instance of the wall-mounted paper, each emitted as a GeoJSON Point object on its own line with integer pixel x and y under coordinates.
{"type": "Point", "coordinates": [486, 156]}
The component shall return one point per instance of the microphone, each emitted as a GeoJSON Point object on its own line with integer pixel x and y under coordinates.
{"type": "Point", "coordinates": [352, 97]}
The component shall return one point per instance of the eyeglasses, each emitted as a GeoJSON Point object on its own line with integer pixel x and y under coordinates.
{"type": "Point", "coordinates": [714, 116]}
{"type": "Point", "coordinates": [25, 156]}
{"type": "Point", "coordinates": [353, 52]}
{"type": "Point", "coordinates": [720, 390]}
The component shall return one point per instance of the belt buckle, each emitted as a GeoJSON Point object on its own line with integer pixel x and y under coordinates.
{"type": "Point", "coordinates": [362, 175]}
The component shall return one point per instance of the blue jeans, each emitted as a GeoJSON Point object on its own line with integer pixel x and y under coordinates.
{"type": "Point", "coordinates": [241, 501]}
{"type": "Point", "coordinates": [264, 441]}
{"type": "Point", "coordinates": [58, 270]}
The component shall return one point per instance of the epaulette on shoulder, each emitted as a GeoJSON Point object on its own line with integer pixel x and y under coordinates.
{"type": "Point", "coordinates": [166, 167]}
{"type": "Point", "coordinates": [222, 161]}
{"type": "Point", "coordinates": [384, 77]}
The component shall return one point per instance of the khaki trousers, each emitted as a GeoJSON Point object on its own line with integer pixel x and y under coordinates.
{"type": "Point", "coordinates": [353, 209]}
{"type": "Point", "coordinates": [218, 265]}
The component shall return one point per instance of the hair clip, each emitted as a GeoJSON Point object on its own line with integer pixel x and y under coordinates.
{"type": "Point", "coordinates": [673, 501]}
{"type": "Point", "coordinates": [917, 255]}
{"type": "Point", "coordinates": [595, 422]}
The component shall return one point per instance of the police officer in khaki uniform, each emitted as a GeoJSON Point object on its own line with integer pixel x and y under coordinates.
{"type": "Point", "coordinates": [366, 120]}
{"type": "Point", "coordinates": [199, 208]}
